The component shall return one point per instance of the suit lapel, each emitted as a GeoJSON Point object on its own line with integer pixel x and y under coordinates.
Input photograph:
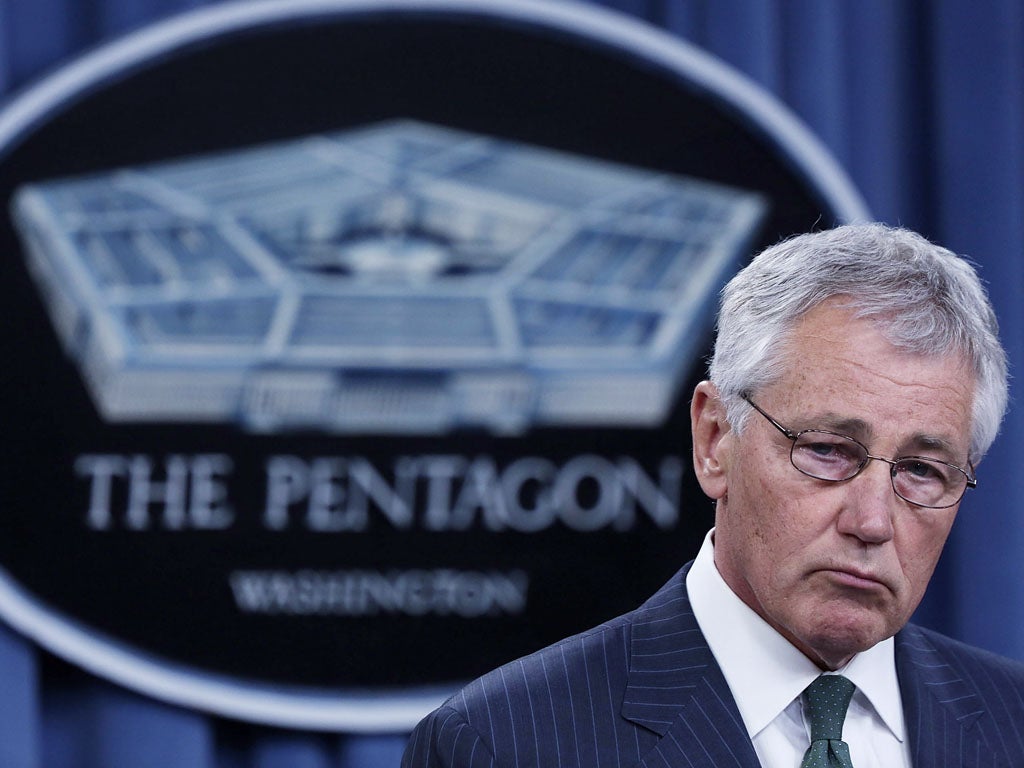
{"type": "Point", "coordinates": [677, 690]}
{"type": "Point", "coordinates": [944, 714]}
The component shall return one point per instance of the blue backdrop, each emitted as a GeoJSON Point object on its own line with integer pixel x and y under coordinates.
{"type": "Point", "coordinates": [922, 103]}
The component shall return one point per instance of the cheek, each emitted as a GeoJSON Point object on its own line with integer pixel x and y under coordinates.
{"type": "Point", "coordinates": [920, 543]}
{"type": "Point", "coordinates": [787, 514]}
{"type": "Point", "coordinates": [778, 529]}
{"type": "Point", "coordinates": [772, 515]}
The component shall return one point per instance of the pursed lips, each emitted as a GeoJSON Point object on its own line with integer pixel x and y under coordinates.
{"type": "Point", "coordinates": [856, 577]}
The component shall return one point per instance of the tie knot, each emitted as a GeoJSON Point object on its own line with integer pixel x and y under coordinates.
{"type": "Point", "coordinates": [825, 703]}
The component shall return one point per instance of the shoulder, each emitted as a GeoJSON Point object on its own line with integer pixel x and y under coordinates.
{"type": "Point", "coordinates": [590, 669]}
{"type": "Point", "coordinates": [529, 709]}
{"type": "Point", "coordinates": [546, 679]}
{"type": "Point", "coordinates": [558, 706]}
{"type": "Point", "coordinates": [444, 739]}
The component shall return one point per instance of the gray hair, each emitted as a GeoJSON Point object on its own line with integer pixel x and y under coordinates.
{"type": "Point", "coordinates": [924, 298]}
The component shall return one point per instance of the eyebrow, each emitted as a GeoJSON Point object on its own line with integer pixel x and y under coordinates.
{"type": "Point", "coordinates": [846, 426]}
{"type": "Point", "coordinates": [860, 430]}
{"type": "Point", "coordinates": [935, 444]}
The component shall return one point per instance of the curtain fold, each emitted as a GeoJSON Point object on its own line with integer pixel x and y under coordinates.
{"type": "Point", "coordinates": [978, 92]}
{"type": "Point", "coordinates": [922, 103]}
{"type": "Point", "coordinates": [89, 724]}
{"type": "Point", "coordinates": [291, 751]}
{"type": "Point", "coordinates": [20, 714]}
{"type": "Point", "coordinates": [884, 141]}
{"type": "Point", "coordinates": [822, 92]}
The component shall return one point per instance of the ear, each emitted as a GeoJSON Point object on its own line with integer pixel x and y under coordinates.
{"type": "Point", "coordinates": [712, 439]}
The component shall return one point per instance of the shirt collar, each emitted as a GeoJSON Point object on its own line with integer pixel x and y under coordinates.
{"type": "Point", "coordinates": [764, 671]}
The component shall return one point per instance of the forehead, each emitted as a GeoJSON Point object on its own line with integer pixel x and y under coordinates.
{"type": "Point", "coordinates": [842, 368]}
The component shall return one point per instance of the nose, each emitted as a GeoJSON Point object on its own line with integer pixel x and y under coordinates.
{"type": "Point", "coordinates": [870, 504]}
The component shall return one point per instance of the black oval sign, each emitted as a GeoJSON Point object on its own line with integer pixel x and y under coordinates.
{"type": "Point", "coordinates": [353, 341]}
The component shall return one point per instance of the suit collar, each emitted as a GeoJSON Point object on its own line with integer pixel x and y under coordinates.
{"type": "Point", "coordinates": [676, 688]}
{"type": "Point", "coordinates": [941, 708]}
{"type": "Point", "coordinates": [668, 657]}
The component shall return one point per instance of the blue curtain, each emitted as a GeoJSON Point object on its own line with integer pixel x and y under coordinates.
{"type": "Point", "coordinates": [922, 103]}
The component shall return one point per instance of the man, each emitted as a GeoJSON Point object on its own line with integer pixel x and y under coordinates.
{"type": "Point", "coordinates": [856, 383]}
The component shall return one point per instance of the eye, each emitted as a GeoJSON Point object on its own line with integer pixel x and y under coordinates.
{"type": "Point", "coordinates": [827, 456]}
{"type": "Point", "coordinates": [823, 449]}
{"type": "Point", "coordinates": [825, 446]}
{"type": "Point", "coordinates": [922, 470]}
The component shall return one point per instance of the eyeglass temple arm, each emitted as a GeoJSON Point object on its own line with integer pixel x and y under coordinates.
{"type": "Point", "coordinates": [787, 432]}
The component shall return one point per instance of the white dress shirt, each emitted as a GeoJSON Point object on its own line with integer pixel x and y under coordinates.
{"type": "Point", "coordinates": [767, 674]}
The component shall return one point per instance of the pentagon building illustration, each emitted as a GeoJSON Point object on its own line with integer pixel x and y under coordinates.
{"type": "Point", "coordinates": [397, 278]}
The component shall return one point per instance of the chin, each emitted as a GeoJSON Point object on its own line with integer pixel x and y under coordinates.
{"type": "Point", "coordinates": [837, 642]}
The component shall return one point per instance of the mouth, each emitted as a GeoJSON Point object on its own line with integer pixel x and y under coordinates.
{"type": "Point", "coordinates": [855, 579]}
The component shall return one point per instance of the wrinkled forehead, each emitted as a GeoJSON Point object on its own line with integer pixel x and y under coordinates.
{"type": "Point", "coordinates": [843, 372]}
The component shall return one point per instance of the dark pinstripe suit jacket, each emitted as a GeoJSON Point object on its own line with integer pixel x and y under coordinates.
{"type": "Point", "coordinates": [644, 690]}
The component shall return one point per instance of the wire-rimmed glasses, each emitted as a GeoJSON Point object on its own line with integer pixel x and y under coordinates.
{"type": "Point", "coordinates": [920, 480]}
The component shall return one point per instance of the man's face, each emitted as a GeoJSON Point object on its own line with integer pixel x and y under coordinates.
{"type": "Point", "coordinates": [834, 567]}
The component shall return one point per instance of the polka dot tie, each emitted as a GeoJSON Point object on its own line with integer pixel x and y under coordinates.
{"type": "Point", "coordinates": [825, 703]}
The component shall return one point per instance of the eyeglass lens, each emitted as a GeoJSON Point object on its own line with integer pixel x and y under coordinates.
{"type": "Point", "coordinates": [834, 457]}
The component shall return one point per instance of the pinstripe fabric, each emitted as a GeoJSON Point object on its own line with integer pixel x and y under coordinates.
{"type": "Point", "coordinates": [964, 706]}
{"type": "Point", "coordinates": [644, 691]}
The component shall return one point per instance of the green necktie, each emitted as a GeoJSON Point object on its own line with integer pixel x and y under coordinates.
{"type": "Point", "coordinates": [825, 703]}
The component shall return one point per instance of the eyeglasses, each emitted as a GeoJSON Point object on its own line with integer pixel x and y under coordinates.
{"type": "Point", "coordinates": [830, 456]}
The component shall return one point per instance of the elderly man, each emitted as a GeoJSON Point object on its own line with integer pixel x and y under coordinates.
{"type": "Point", "coordinates": [856, 383]}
